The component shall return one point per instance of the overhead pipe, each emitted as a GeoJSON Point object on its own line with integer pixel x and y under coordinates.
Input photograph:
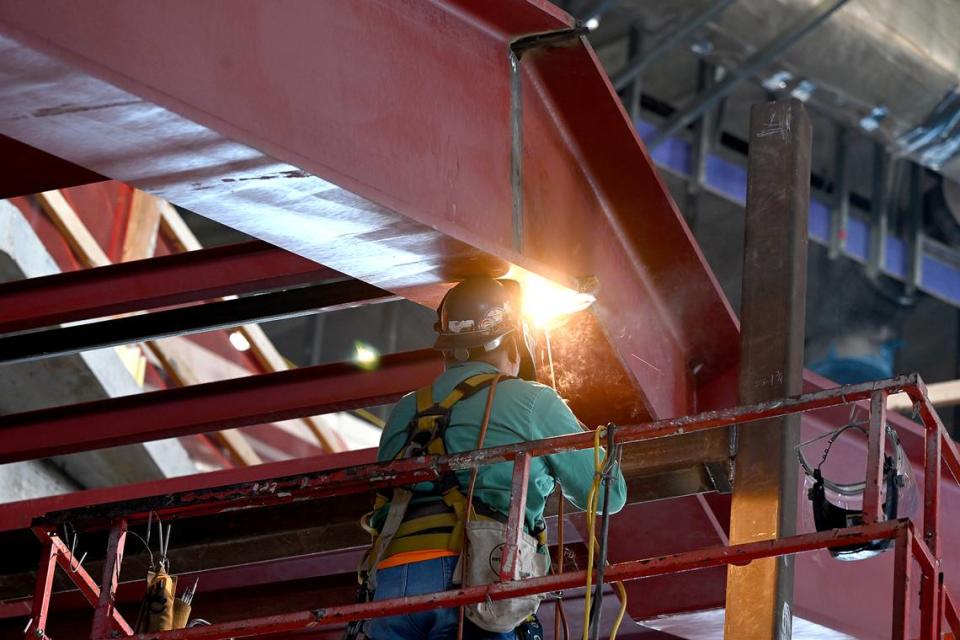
{"type": "Point", "coordinates": [804, 25]}
{"type": "Point", "coordinates": [638, 63]}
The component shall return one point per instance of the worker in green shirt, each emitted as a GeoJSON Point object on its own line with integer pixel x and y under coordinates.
{"type": "Point", "coordinates": [481, 334]}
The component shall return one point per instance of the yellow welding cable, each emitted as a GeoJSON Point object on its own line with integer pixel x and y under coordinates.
{"type": "Point", "coordinates": [623, 610]}
{"type": "Point", "coordinates": [592, 504]}
{"type": "Point", "coordinates": [591, 529]}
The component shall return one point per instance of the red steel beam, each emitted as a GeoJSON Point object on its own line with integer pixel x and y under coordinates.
{"type": "Point", "coordinates": [79, 576]}
{"type": "Point", "coordinates": [951, 613]}
{"type": "Point", "coordinates": [268, 574]}
{"type": "Point", "coordinates": [902, 584]}
{"type": "Point", "coordinates": [510, 553]}
{"type": "Point", "coordinates": [622, 571]}
{"type": "Point", "coordinates": [25, 170]}
{"type": "Point", "coordinates": [106, 611]}
{"type": "Point", "coordinates": [877, 436]}
{"type": "Point", "coordinates": [367, 477]}
{"type": "Point", "coordinates": [19, 515]}
{"type": "Point", "coordinates": [950, 454]}
{"type": "Point", "coordinates": [937, 446]}
{"type": "Point", "coordinates": [155, 282]}
{"type": "Point", "coordinates": [207, 407]}
{"type": "Point", "coordinates": [931, 586]}
{"type": "Point", "coordinates": [41, 595]}
{"type": "Point", "coordinates": [257, 137]}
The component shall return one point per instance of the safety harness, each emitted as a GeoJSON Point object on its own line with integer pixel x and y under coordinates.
{"type": "Point", "coordinates": [433, 525]}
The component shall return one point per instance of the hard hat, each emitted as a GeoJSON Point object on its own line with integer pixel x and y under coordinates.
{"type": "Point", "coordinates": [478, 313]}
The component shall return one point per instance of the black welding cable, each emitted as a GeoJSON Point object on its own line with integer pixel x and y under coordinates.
{"type": "Point", "coordinates": [609, 466]}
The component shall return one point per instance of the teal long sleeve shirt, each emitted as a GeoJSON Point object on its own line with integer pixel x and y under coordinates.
{"type": "Point", "coordinates": [522, 411]}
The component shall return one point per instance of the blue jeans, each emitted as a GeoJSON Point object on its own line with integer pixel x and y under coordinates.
{"type": "Point", "coordinates": [415, 579]}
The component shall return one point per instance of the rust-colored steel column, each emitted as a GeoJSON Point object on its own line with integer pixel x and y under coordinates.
{"type": "Point", "coordinates": [41, 597]}
{"type": "Point", "coordinates": [107, 604]}
{"type": "Point", "coordinates": [771, 364]}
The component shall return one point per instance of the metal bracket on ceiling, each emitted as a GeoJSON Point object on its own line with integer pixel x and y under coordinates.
{"type": "Point", "coordinates": [518, 47]}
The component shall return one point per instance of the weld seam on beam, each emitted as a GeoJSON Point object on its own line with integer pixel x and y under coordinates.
{"type": "Point", "coordinates": [518, 47]}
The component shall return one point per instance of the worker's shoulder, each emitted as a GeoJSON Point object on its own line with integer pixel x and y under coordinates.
{"type": "Point", "coordinates": [404, 408]}
{"type": "Point", "coordinates": [407, 402]}
{"type": "Point", "coordinates": [527, 389]}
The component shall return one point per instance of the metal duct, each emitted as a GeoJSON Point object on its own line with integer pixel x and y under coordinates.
{"type": "Point", "coordinates": [887, 66]}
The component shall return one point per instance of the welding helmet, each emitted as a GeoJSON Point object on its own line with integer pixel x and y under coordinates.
{"type": "Point", "coordinates": [824, 493]}
{"type": "Point", "coordinates": [479, 313]}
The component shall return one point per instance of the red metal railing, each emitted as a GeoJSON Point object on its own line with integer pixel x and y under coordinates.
{"type": "Point", "coordinates": [936, 603]}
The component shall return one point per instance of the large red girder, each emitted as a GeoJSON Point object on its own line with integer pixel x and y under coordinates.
{"type": "Point", "coordinates": [253, 121]}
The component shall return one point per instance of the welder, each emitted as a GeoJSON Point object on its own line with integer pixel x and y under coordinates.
{"type": "Point", "coordinates": [488, 386]}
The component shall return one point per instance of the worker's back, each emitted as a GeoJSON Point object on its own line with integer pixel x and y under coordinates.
{"type": "Point", "coordinates": [522, 411]}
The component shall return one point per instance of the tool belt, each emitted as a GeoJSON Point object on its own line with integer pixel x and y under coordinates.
{"type": "Point", "coordinates": [431, 525]}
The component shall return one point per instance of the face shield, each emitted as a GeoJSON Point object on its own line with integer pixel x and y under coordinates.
{"type": "Point", "coordinates": [836, 505]}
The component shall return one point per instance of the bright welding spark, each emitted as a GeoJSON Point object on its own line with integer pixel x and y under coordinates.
{"type": "Point", "coordinates": [365, 356]}
{"type": "Point", "coordinates": [592, 24]}
{"type": "Point", "coordinates": [547, 304]}
{"type": "Point", "coordinates": [239, 341]}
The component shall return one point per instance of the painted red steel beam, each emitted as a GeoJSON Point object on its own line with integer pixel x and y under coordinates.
{"type": "Point", "coordinates": [218, 405]}
{"type": "Point", "coordinates": [364, 478]}
{"type": "Point", "coordinates": [155, 282]}
{"type": "Point", "coordinates": [876, 438]}
{"type": "Point", "coordinates": [510, 553]}
{"type": "Point", "coordinates": [41, 595]}
{"type": "Point", "coordinates": [902, 584]}
{"type": "Point", "coordinates": [25, 170]}
{"type": "Point", "coordinates": [106, 610]}
{"type": "Point", "coordinates": [19, 515]}
{"type": "Point", "coordinates": [622, 571]}
{"type": "Point", "coordinates": [309, 567]}
{"type": "Point", "coordinates": [951, 613]}
{"type": "Point", "coordinates": [266, 573]}
{"type": "Point", "coordinates": [265, 139]}
{"type": "Point", "coordinates": [84, 582]}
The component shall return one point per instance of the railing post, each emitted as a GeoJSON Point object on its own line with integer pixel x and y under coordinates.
{"type": "Point", "coordinates": [103, 616]}
{"type": "Point", "coordinates": [515, 520]}
{"type": "Point", "coordinates": [932, 460]}
{"type": "Point", "coordinates": [903, 559]}
{"type": "Point", "coordinates": [950, 612]}
{"type": "Point", "coordinates": [41, 595]}
{"type": "Point", "coordinates": [930, 609]}
{"type": "Point", "coordinates": [872, 507]}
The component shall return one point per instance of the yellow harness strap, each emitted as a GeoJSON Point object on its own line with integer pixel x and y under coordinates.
{"type": "Point", "coordinates": [427, 437]}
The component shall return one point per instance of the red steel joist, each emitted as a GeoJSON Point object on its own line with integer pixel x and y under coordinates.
{"type": "Point", "coordinates": [216, 405]}
{"type": "Point", "coordinates": [155, 282]}
{"type": "Point", "coordinates": [363, 478]}
{"type": "Point", "coordinates": [621, 571]}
